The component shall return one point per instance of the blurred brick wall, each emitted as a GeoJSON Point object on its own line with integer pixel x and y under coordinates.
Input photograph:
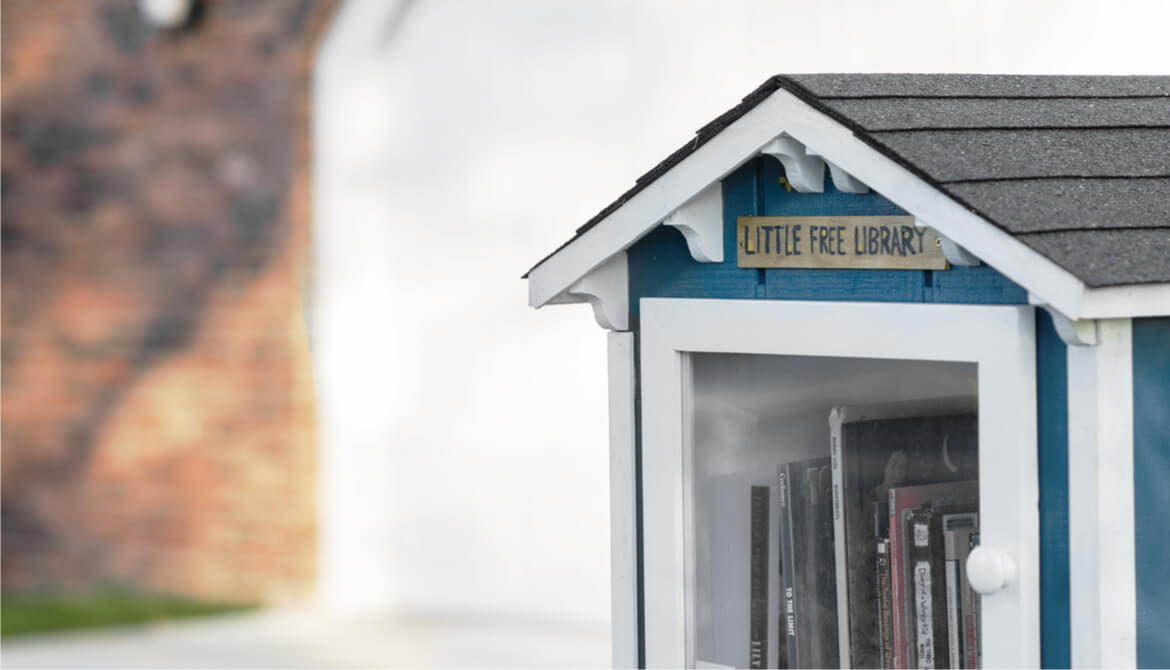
{"type": "Point", "coordinates": [156, 400]}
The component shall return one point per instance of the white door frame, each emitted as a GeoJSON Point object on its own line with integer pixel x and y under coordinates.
{"type": "Point", "coordinates": [999, 339]}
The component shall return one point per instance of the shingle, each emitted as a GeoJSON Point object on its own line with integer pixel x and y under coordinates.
{"type": "Point", "coordinates": [1108, 257]}
{"type": "Point", "coordinates": [904, 113]}
{"type": "Point", "coordinates": [1076, 167]}
{"type": "Point", "coordinates": [950, 155]}
{"type": "Point", "coordinates": [1037, 205]}
{"type": "Point", "coordinates": [980, 85]}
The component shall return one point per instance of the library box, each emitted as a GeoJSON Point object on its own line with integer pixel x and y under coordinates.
{"type": "Point", "coordinates": [889, 368]}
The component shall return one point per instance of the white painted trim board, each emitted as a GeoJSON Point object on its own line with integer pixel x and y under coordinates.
{"type": "Point", "coordinates": [783, 112]}
{"type": "Point", "coordinates": [622, 501]}
{"type": "Point", "coordinates": [1102, 587]}
{"type": "Point", "coordinates": [1000, 339]}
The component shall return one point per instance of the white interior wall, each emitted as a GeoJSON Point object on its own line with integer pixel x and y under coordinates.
{"type": "Point", "coordinates": [463, 435]}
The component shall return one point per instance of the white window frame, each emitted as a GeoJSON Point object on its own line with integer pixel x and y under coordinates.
{"type": "Point", "coordinates": [999, 339]}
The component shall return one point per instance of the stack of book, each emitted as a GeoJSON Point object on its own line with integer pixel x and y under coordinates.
{"type": "Point", "coordinates": [859, 559]}
{"type": "Point", "coordinates": [906, 515]}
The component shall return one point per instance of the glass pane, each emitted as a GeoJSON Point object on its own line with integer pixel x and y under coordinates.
{"type": "Point", "coordinates": [793, 547]}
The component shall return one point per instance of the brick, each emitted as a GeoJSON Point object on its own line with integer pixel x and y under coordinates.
{"type": "Point", "coordinates": [157, 398]}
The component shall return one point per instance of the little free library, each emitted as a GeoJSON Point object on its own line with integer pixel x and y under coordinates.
{"type": "Point", "coordinates": [889, 377]}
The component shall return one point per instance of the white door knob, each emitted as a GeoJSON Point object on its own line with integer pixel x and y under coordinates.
{"type": "Point", "coordinates": [989, 570]}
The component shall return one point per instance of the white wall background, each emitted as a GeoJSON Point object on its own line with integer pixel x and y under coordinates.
{"type": "Point", "coordinates": [463, 453]}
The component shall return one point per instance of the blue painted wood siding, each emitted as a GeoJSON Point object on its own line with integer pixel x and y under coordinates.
{"type": "Point", "coordinates": [661, 267]}
{"type": "Point", "coordinates": [1052, 455]}
{"type": "Point", "coordinates": [1151, 470]}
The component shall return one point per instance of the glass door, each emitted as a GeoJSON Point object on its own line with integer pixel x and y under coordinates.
{"type": "Point", "coordinates": [835, 503]}
{"type": "Point", "coordinates": [815, 475]}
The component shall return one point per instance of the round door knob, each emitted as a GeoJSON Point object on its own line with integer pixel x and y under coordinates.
{"type": "Point", "coordinates": [989, 570]}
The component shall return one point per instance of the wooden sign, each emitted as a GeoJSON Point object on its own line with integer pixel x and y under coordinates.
{"type": "Point", "coordinates": [859, 242]}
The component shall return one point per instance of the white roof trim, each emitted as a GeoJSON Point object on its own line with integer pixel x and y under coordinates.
{"type": "Point", "coordinates": [607, 289]}
{"type": "Point", "coordinates": [783, 112]}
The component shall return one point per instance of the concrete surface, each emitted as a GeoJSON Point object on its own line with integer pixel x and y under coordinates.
{"type": "Point", "coordinates": [303, 639]}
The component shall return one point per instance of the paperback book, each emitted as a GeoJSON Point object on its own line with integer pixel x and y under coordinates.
{"type": "Point", "coordinates": [810, 580]}
{"type": "Point", "coordinates": [871, 457]}
{"type": "Point", "coordinates": [917, 556]}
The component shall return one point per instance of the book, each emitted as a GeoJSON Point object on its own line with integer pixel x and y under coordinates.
{"type": "Point", "coordinates": [758, 572]}
{"type": "Point", "coordinates": [788, 576]}
{"type": "Point", "coordinates": [926, 589]}
{"type": "Point", "coordinates": [738, 572]}
{"type": "Point", "coordinates": [776, 630]}
{"type": "Point", "coordinates": [977, 612]}
{"type": "Point", "coordinates": [809, 567]}
{"type": "Point", "coordinates": [871, 456]}
{"type": "Point", "coordinates": [904, 502]}
{"type": "Point", "coordinates": [884, 604]}
{"type": "Point", "coordinates": [723, 568]}
{"type": "Point", "coordinates": [961, 639]}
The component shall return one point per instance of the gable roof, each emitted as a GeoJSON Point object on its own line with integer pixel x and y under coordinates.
{"type": "Point", "coordinates": [1077, 168]}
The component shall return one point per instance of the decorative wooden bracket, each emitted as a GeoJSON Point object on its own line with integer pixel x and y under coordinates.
{"type": "Point", "coordinates": [1081, 333]}
{"type": "Point", "coordinates": [842, 180]}
{"type": "Point", "coordinates": [701, 222]}
{"type": "Point", "coordinates": [607, 289]}
{"type": "Point", "coordinates": [806, 172]}
{"type": "Point", "coordinates": [845, 182]}
{"type": "Point", "coordinates": [955, 254]}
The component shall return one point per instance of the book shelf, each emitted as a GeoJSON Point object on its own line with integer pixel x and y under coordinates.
{"type": "Point", "coordinates": [763, 496]}
{"type": "Point", "coordinates": [742, 403]}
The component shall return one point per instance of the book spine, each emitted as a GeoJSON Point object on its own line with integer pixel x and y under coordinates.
{"type": "Point", "coordinates": [968, 602]}
{"type": "Point", "coordinates": [758, 599]}
{"type": "Point", "coordinates": [787, 551]}
{"type": "Point", "coordinates": [885, 604]}
{"type": "Point", "coordinates": [836, 418]}
{"type": "Point", "coordinates": [921, 592]}
{"type": "Point", "coordinates": [954, 652]}
{"type": "Point", "coordinates": [776, 633]}
{"type": "Point", "coordinates": [896, 599]}
{"type": "Point", "coordinates": [976, 611]}
{"type": "Point", "coordinates": [957, 529]}
{"type": "Point", "coordinates": [817, 606]}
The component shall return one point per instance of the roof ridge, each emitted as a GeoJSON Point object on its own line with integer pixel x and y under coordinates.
{"type": "Point", "coordinates": [1154, 96]}
{"type": "Point", "coordinates": [821, 104]}
{"type": "Point", "coordinates": [1116, 177]}
{"type": "Point", "coordinates": [935, 129]}
{"type": "Point", "coordinates": [1090, 229]}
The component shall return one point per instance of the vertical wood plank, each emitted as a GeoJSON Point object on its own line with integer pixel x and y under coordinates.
{"type": "Point", "coordinates": [622, 501]}
{"type": "Point", "coordinates": [1102, 595]}
{"type": "Point", "coordinates": [1052, 462]}
{"type": "Point", "coordinates": [1151, 446]}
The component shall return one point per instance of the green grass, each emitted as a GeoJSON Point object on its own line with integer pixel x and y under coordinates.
{"type": "Point", "coordinates": [23, 614]}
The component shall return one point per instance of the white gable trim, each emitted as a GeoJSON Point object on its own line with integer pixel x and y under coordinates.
{"type": "Point", "coordinates": [1117, 302]}
{"type": "Point", "coordinates": [782, 112]}
{"type": "Point", "coordinates": [607, 289]}
{"type": "Point", "coordinates": [701, 223]}
{"type": "Point", "coordinates": [711, 162]}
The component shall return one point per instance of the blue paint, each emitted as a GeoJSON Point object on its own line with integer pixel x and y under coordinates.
{"type": "Point", "coordinates": [1151, 472]}
{"type": "Point", "coordinates": [979, 284]}
{"type": "Point", "coordinates": [1052, 462]}
{"type": "Point", "coordinates": [661, 267]}
{"type": "Point", "coordinates": [777, 199]}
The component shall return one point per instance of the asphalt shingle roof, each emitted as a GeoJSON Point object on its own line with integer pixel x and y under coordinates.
{"type": "Point", "coordinates": [1075, 167]}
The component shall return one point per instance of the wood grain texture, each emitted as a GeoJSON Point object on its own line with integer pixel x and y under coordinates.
{"type": "Point", "coordinates": [1052, 455]}
{"type": "Point", "coordinates": [853, 242]}
{"type": "Point", "coordinates": [661, 266]}
{"type": "Point", "coordinates": [1151, 467]}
